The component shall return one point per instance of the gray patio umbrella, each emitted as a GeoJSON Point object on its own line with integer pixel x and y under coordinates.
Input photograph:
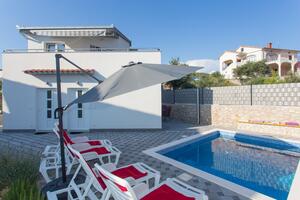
{"type": "Point", "coordinates": [133, 77]}
{"type": "Point", "coordinates": [129, 78]}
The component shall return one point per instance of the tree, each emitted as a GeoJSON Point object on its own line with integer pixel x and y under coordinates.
{"type": "Point", "coordinates": [197, 80]}
{"type": "Point", "coordinates": [209, 80]}
{"type": "Point", "coordinates": [251, 71]}
{"type": "Point", "coordinates": [180, 83]}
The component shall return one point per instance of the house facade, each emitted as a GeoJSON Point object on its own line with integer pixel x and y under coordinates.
{"type": "Point", "coordinates": [281, 61]}
{"type": "Point", "coordinates": [29, 81]}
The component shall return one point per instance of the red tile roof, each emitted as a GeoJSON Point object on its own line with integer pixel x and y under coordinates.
{"type": "Point", "coordinates": [53, 71]}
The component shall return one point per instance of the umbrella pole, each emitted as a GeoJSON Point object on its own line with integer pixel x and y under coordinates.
{"type": "Point", "coordinates": [60, 118]}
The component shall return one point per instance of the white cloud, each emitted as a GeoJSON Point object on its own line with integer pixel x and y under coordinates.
{"type": "Point", "coordinates": [208, 65]}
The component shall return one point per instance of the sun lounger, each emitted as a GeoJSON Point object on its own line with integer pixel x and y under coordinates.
{"type": "Point", "coordinates": [170, 189]}
{"type": "Point", "coordinates": [136, 174]}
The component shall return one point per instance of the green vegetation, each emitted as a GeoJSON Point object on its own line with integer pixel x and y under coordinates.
{"type": "Point", "coordinates": [18, 177]}
{"type": "Point", "coordinates": [197, 79]}
{"type": "Point", "coordinates": [260, 73]}
{"type": "Point", "coordinates": [252, 70]}
{"type": "Point", "coordinates": [23, 189]}
{"type": "Point", "coordinates": [249, 73]}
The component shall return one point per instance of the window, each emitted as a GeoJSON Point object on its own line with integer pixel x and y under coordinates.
{"type": "Point", "coordinates": [55, 47]}
{"type": "Point", "coordinates": [49, 104]}
{"type": "Point", "coordinates": [79, 106]}
{"type": "Point", "coordinates": [290, 57]}
{"type": "Point", "coordinates": [60, 47]}
{"type": "Point", "coordinates": [50, 47]}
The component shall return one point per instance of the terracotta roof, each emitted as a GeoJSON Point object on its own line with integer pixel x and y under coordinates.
{"type": "Point", "coordinates": [53, 71]}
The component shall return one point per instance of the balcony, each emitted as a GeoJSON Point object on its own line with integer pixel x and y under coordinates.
{"type": "Point", "coordinates": [281, 59]}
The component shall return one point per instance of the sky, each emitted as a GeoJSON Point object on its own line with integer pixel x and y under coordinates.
{"type": "Point", "coordinates": [196, 31]}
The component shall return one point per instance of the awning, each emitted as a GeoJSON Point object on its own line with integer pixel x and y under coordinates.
{"type": "Point", "coordinates": [53, 71]}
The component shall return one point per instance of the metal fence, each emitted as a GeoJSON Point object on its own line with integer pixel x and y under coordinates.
{"type": "Point", "coordinates": [272, 94]}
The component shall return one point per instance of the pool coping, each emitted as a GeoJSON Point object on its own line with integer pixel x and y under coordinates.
{"type": "Point", "coordinates": [241, 190]}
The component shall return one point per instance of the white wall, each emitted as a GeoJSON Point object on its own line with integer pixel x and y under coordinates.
{"type": "Point", "coordinates": [228, 71]}
{"type": "Point", "coordinates": [138, 109]}
{"type": "Point", "coordinates": [80, 42]}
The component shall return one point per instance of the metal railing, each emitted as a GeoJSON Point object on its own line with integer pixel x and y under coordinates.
{"type": "Point", "coordinates": [82, 50]}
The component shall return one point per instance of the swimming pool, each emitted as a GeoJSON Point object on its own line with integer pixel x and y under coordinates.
{"type": "Point", "coordinates": [260, 164]}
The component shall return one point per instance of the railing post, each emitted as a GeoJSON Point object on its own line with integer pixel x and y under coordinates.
{"type": "Point", "coordinates": [173, 96]}
{"type": "Point", "coordinates": [198, 106]}
{"type": "Point", "coordinates": [202, 95]}
{"type": "Point", "coordinates": [251, 101]}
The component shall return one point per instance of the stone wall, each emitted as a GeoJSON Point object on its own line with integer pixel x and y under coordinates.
{"type": "Point", "coordinates": [188, 113]}
{"type": "Point", "coordinates": [184, 112]}
{"type": "Point", "coordinates": [229, 116]}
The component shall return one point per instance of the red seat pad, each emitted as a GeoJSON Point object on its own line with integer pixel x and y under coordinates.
{"type": "Point", "coordinates": [94, 142]}
{"type": "Point", "coordinates": [98, 150]}
{"type": "Point", "coordinates": [101, 182]}
{"type": "Point", "coordinates": [67, 138]}
{"type": "Point", "coordinates": [129, 171]}
{"type": "Point", "coordinates": [99, 179]}
{"type": "Point", "coordinates": [165, 192]}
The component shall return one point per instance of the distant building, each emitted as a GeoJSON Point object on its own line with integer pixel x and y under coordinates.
{"type": "Point", "coordinates": [281, 61]}
{"type": "Point", "coordinates": [29, 81]}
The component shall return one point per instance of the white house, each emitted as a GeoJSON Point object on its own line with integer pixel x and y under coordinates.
{"type": "Point", "coordinates": [281, 61]}
{"type": "Point", "coordinates": [29, 82]}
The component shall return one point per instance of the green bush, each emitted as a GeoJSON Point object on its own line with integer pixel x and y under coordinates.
{"type": "Point", "coordinates": [14, 167]}
{"type": "Point", "coordinates": [23, 189]}
{"type": "Point", "coordinates": [18, 177]}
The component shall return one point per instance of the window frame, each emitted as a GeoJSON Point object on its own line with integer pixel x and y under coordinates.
{"type": "Point", "coordinates": [56, 46]}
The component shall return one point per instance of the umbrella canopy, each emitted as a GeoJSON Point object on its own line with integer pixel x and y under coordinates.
{"type": "Point", "coordinates": [133, 77]}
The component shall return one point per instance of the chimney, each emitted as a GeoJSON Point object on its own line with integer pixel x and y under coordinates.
{"type": "Point", "coordinates": [269, 45]}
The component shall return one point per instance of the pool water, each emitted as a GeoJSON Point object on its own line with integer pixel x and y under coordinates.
{"type": "Point", "coordinates": [264, 165]}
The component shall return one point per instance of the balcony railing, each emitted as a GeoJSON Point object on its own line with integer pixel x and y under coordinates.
{"type": "Point", "coordinates": [82, 50]}
{"type": "Point", "coordinates": [282, 59]}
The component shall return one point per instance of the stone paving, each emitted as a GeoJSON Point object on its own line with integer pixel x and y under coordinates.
{"type": "Point", "coordinates": [131, 143]}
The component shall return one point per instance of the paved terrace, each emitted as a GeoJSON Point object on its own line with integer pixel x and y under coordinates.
{"type": "Point", "coordinates": [131, 143]}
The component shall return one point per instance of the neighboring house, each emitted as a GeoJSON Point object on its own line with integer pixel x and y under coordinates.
{"type": "Point", "coordinates": [29, 81]}
{"type": "Point", "coordinates": [281, 61]}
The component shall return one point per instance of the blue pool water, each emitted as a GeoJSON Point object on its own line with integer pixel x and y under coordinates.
{"type": "Point", "coordinates": [264, 165]}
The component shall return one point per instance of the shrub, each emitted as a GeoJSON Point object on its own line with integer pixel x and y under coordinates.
{"type": "Point", "coordinates": [252, 70]}
{"type": "Point", "coordinates": [23, 189]}
{"type": "Point", "coordinates": [18, 177]}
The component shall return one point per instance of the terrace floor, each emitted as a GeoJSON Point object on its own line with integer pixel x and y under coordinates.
{"type": "Point", "coordinates": [131, 143]}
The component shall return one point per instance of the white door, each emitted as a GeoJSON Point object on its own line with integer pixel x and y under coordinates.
{"type": "Point", "coordinates": [78, 118]}
{"type": "Point", "coordinates": [47, 103]}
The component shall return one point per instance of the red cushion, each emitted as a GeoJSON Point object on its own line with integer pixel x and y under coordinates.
{"type": "Point", "coordinates": [98, 150]}
{"type": "Point", "coordinates": [99, 179]}
{"type": "Point", "coordinates": [101, 182]}
{"type": "Point", "coordinates": [129, 171]}
{"type": "Point", "coordinates": [67, 138]}
{"type": "Point", "coordinates": [165, 192]}
{"type": "Point", "coordinates": [93, 142]}
{"type": "Point", "coordinates": [122, 188]}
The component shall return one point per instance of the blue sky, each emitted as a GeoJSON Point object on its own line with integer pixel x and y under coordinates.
{"type": "Point", "coordinates": [189, 29]}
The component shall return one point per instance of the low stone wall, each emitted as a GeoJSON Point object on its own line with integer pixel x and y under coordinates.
{"type": "Point", "coordinates": [184, 112]}
{"type": "Point", "coordinates": [228, 116]}
{"type": "Point", "coordinates": [188, 113]}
